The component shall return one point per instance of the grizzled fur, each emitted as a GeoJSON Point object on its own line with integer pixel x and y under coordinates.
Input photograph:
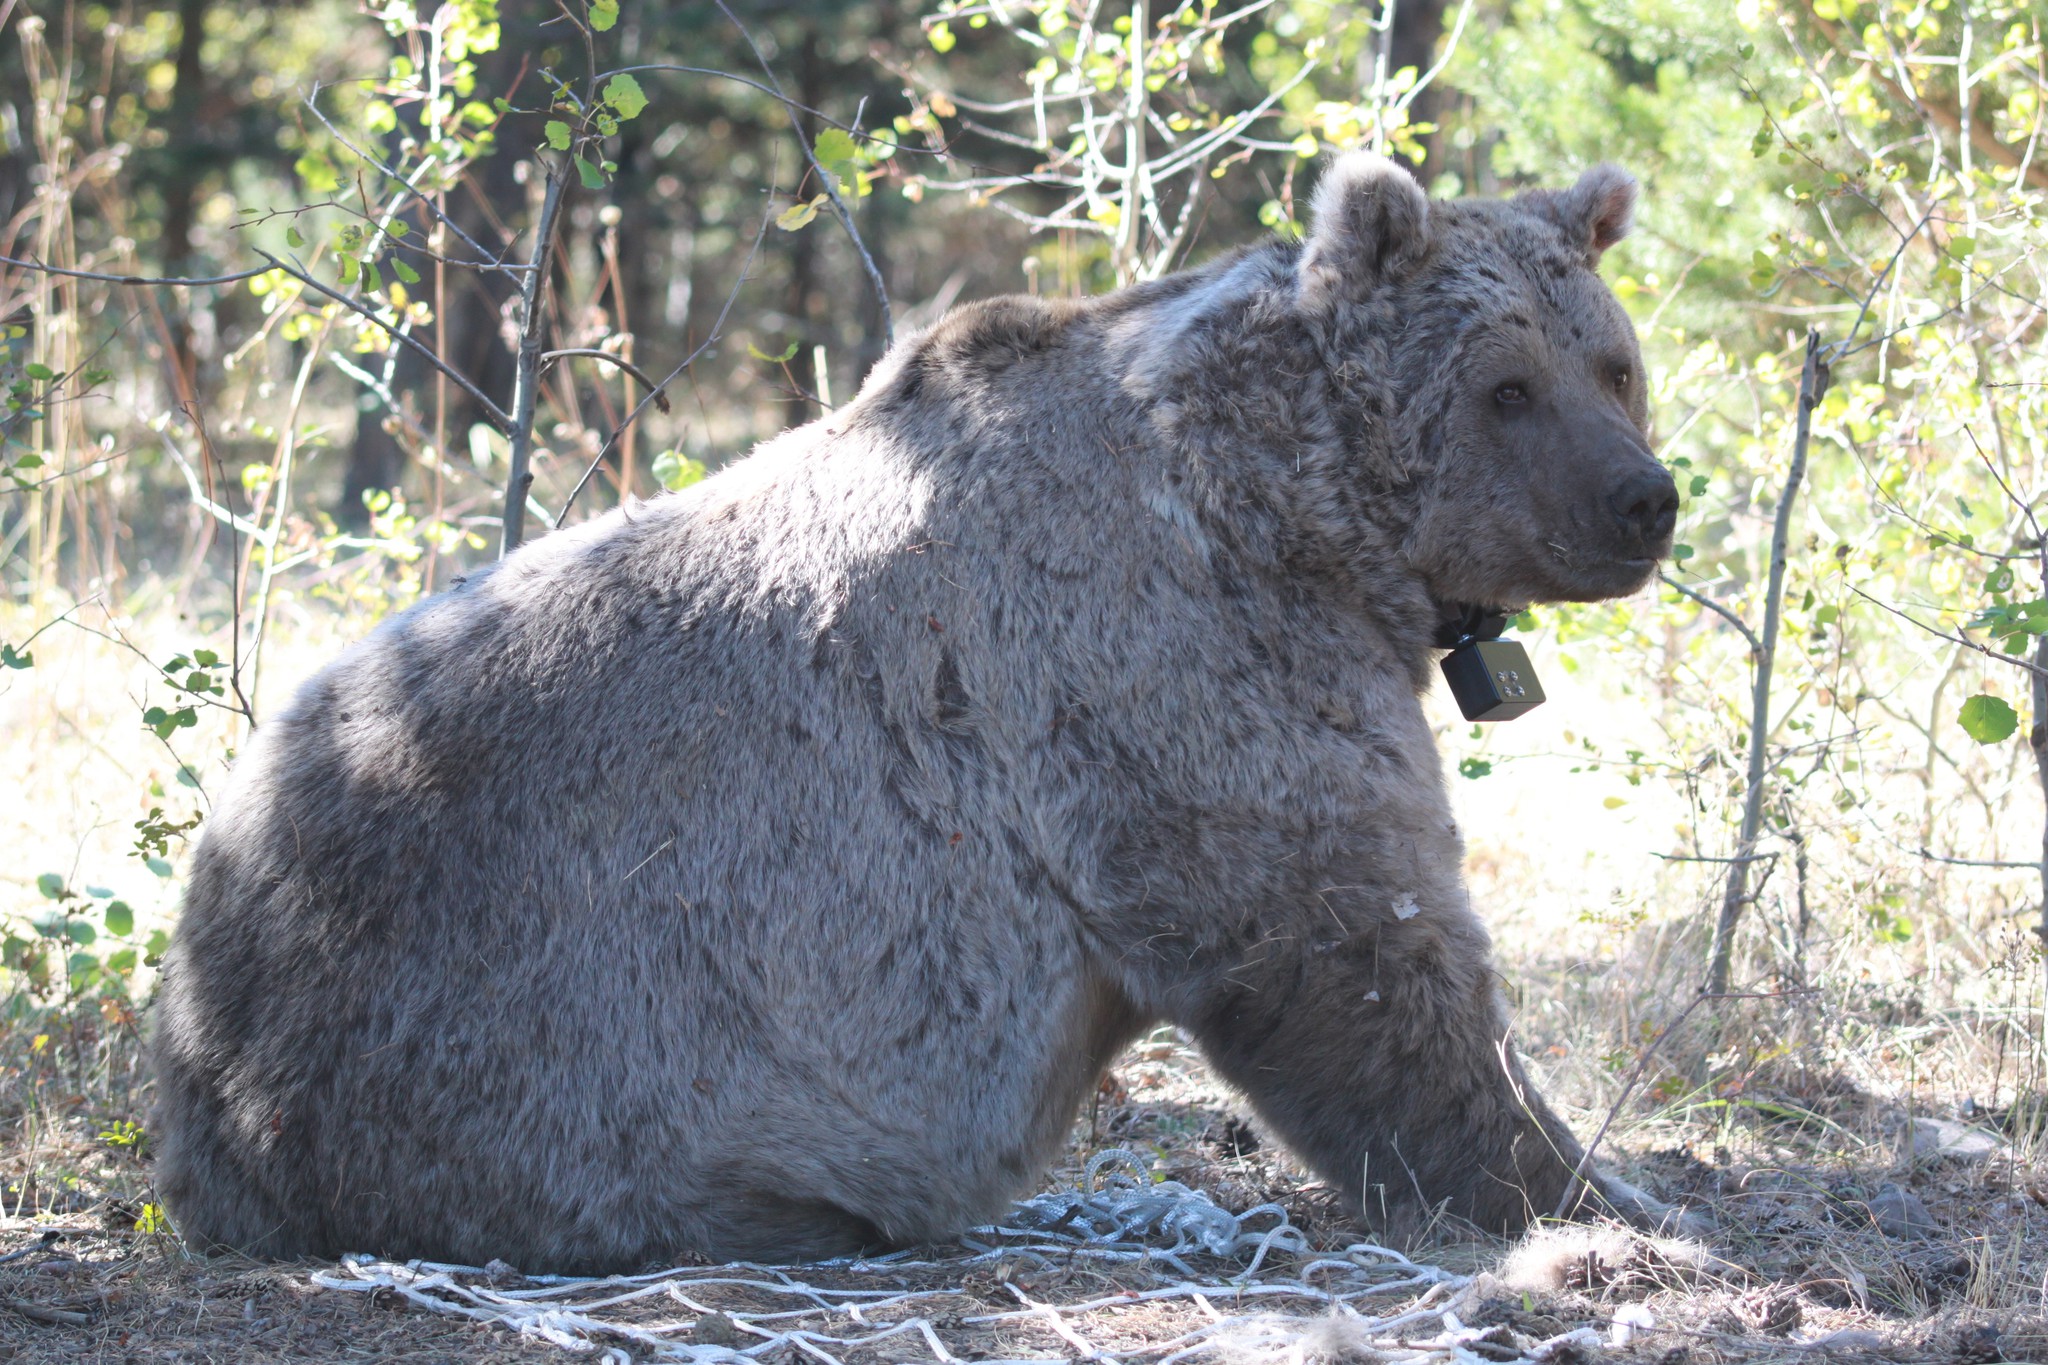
{"type": "Point", "coordinates": [768, 870]}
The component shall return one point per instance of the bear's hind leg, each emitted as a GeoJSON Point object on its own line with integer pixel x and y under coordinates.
{"type": "Point", "coordinates": [214, 1200]}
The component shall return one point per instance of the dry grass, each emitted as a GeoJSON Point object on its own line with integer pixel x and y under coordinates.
{"type": "Point", "coordinates": [1799, 1259]}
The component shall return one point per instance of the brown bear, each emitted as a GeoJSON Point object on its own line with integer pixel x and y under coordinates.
{"type": "Point", "coordinates": [768, 870]}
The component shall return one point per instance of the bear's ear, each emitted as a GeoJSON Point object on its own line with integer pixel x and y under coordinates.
{"type": "Point", "coordinates": [1369, 225]}
{"type": "Point", "coordinates": [1595, 213]}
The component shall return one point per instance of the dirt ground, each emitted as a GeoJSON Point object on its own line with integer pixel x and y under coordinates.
{"type": "Point", "coordinates": [1848, 1229]}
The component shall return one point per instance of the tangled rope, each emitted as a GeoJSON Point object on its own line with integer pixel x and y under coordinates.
{"type": "Point", "coordinates": [1118, 1216]}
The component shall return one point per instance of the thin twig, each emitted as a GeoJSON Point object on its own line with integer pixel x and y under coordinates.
{"type": "Point", "coordinates": [1973, 862]}
{"type": "Point", "coordinates": [826, 178]}
{"type": "Point", "coordinates": [2013, 659]}
{"type": "Point", "coordinates": [628, 366]}
{"type": "Point", "coordinates": [58, 1317]}
{"type": "Point", "coordinates": [175, 281]}
{"type": "Point", "coordinates": [654, 390]}
{"type": "Point", "coordinates": [497, 415]}
{"type": "Point", "coordinates": [311, 102]}
{"type": "Point", "coordinates": [1756, 646]}
{"type": "Point", "coordinates": [1813, 382]}
{"type": "Point", "coordinates": [1636, 1074]}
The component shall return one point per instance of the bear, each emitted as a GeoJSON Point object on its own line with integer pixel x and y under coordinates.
{"type": "Point", "coordinates": [768, 871]}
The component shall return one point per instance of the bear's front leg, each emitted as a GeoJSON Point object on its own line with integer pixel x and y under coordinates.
{"type": "Point", "coordinates": [1369, 1032]}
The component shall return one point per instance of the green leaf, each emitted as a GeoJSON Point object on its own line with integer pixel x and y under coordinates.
{"type": "Point", "coordinates": [603, 14]}
{"type": "Point", "coordinates": [40, 372]}
{"type": "Point", "coordinates": [159, 944]}
{"type": "Point", "coordinates": [625, 95]}
{"type": "Point", "coordinates": [760, 354]}
{"type": "Point", "coordinates": [941, 37]}
{"type": "Point", "coordinates": [558, 134]}
{"type": "Point", "coordinates": [318, 173]}
{"type": "Point", "coordinates": [349, 269]}
{"type": "Point", "coordinates": [676, 470]}
{"type": "Point", "coordinates": [1474, 767]}
{"type": "Point", "coordinates": [293, 237]}
{"type": "Point", "coordinates": [1699, 484]}
{"type": "Point", "coordinates": [373, 279]}
{"type": "Point", "coordinates": [165, 722]}
{"type": "Point", "coordinates": [10, 657]}
{"type": "Point", "coordinates": [122, 962]}
{"type": "Point", "coordinates": [1987, 719]}
{"type": "Point", "coordinates": [120, 919]}
{"type": "Point", "coordinates": [404, 271]}
{"type": "Point", "coordinates": [835, 150]}
{"type": "Point", "coordinates": [81, 933]}
{"type": "Point", "coordinates": [592, 177]}
{"type": "Point", "coordinates": [51, 885]}
{"type": "Point", "coordinates": [158, 866]}
{"type": "Point", "coordinates": [1681, 553]}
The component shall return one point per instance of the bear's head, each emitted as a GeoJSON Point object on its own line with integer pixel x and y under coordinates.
{"type": "Point", "coordinates": [1519, 417]}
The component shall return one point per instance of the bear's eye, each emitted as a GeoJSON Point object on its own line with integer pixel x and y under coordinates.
{"type": "Point", "coordinates": [1623, 377]}
{"type": "Point", "coordinates": [1509, 394]}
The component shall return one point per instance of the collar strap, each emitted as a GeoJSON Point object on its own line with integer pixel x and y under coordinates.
{"type": "Point", "coordinates": [1459, 623]}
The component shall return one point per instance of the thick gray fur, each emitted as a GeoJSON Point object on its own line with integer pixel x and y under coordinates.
{"type": "Point", "coordinates": [768, 870]}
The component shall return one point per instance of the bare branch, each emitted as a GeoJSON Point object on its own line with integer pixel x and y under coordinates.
{"type": "Point", "coordinates": [654, 390]}
{"type": "Point", "coordinates": [426, 199]}
{"type": "Point", "coordinates": [2013, 659]}
{"type": "Point", "coordinates": [491, 410]}
{"type": "Point", "coordinates": [825, 177]}
{"type": "Point", "coordinates": [1813, 382]}
{"type": "Point", "coordinates": [628, 366]}
{"type": "Point", "coordinates": [178, 282]}
{"type": "Point", "coordinates": [1756, 646]}
{"type": "Point", "coordinates": [1571, 1189]}
{"type": "Point", "coordinates": [1933, 857]}
{"type": "Point", "coordinates": [532, 327]}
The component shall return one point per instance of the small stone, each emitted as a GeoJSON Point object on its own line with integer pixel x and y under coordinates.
{"type": "Point", "coordinates": [503, 1272]}
{"type": "Point", "coordinates": [1899, 1213]}
{"type": "Point", "coordinates": [715, 1329]}
{"type": "Point", "coordinates": [1940, 1139]}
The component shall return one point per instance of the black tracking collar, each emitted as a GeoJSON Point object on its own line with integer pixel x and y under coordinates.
{"type": "Point", "coordinates": [1491, 678]}
{"type": "Point", "coordinates": [1458, 622]}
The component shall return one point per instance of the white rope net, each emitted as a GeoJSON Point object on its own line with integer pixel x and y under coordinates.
{"type": "Point", "coordinates": [1123, 1269]}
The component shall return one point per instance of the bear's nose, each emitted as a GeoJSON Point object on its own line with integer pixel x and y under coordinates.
{"type": "Point", "coordinates": [1646, 504]}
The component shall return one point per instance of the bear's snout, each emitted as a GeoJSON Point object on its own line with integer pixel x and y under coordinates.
{"type": "Point", "coordinates": [1645, 505]}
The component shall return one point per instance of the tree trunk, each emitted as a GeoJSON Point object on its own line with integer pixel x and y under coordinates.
{"type": "Point", "coordinates": [1412, 41]}
{"type": "Point", "coordinates": [186, 168]}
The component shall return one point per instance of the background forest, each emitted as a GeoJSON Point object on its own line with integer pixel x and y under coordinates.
{"type": "Point", "coordinates": [291, 295]}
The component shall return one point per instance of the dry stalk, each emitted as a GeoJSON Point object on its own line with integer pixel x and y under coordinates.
{"type": "Point", "coordinates": [1813, 382]}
